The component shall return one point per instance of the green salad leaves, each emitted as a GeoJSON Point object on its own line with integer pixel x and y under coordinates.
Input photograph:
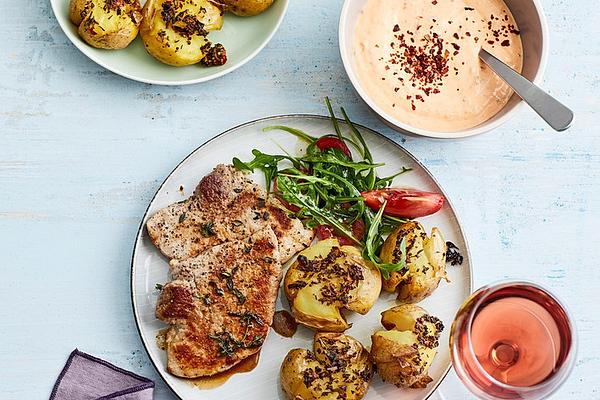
{"type": "Point", "coordinates": [323, 187]}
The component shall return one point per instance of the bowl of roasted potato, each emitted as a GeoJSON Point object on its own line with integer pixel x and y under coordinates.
{"type": "Point", "coordinates": [170, 42]}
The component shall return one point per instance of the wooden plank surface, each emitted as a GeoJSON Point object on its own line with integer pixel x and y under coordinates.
{"type": "Point", "coordinates": [83, 150]}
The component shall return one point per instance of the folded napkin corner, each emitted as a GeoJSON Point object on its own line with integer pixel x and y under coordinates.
{"type": "Point", "coordinates": [85, 377]}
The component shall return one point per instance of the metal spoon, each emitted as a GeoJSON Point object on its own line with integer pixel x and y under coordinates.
{"type": "Point", "coordinates": [557, 115]}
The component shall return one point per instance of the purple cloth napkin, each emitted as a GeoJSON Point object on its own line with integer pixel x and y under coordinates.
{"type": "Point", "coordinates": [85, 377]}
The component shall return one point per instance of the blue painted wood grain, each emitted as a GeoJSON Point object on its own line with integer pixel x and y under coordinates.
{"type": "Point", "coordinates": [83, 150]}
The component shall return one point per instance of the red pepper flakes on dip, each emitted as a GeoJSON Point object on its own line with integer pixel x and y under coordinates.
{"type": "Point", "coordinates": [418, 60]}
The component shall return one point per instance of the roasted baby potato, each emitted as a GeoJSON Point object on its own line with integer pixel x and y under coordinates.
{"type": "Point", "coordinates": [174, 31]}
{"type": "Point", "coordinates": [106, 24]}
{"type": "Point", "coordinates": [404, 352]}
{"type": "Point", "coordinates": [245, 8]}
{"type": "Point", "coordinates": [339, 367]}
{"type": "Point", "coordinates": [425, 261]}
{"type": "Point", "coordinates": [326, 278]}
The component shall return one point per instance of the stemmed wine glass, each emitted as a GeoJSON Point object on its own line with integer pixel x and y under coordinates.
{"type": "Point", "coordinates": [513, 340]}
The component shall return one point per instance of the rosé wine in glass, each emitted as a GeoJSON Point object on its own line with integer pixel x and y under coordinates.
{"type": "Point", "coordinates": [513, 340]}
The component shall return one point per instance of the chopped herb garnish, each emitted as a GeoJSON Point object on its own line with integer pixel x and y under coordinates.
{"type": "Point", "coordinates": [240, 296]}
{"type": "Point", "coordinates": [158, 286]}
{"type": "Point", "coordinates": [227, 343]}
{"type": "Point", "coordinates": [247, 318]}
{"type": "Point", "coordinates": [206, 299]}
{"type": "Point", "coordinates": [182, 217]}
{"type": "Point", "coordinates": [453, 255]}
{"type": "Point", "coordinates": [257, 341]}
{"type": "Point", "coordinates": [208, 229]}
{"type": "Point", "coordinates": [228, 276]}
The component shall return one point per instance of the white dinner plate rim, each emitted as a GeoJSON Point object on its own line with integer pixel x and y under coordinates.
{"type": "Point", "coordinates": [162, 373]}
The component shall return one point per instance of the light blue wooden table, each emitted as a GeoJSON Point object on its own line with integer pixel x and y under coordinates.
{"type": "Point", "coordinates": [82, 151]}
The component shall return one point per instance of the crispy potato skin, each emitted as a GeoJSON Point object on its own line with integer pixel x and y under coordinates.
{"type": "Point", "coordinates": [245, 8]}
{"type": "Point", "coordinates": [404, 352]}
{"type": "Point", "coordinates": [106, 24]}
{"type": "Point", "coordinates": [337, 363]}
{"type": "Point", "coordinates": [326, 278]}
{"type": "Point", "coordinates": [78, 10]}
{"type": "Point", "coordinates": [425, 261]}
{"type": "Point", "coordinates": [179, 42]}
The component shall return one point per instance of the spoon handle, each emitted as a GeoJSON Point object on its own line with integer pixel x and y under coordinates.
{"type": "Point", "coordinates": [557, 115]}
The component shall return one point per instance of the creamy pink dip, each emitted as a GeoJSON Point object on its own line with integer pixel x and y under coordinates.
{"type": "Point", "coordinates": [418, 59]}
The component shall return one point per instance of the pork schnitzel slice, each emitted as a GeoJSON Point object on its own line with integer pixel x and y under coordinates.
{"type": "Point", "coordinates": [225, 206]}
{"type": "Point", "coordinates": [220, 305]}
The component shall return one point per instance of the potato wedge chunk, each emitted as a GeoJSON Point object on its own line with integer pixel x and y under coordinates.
{"type": "Point", "coordinates": [106, 24]}
{"type": "Point", "coordinates": [174, 31]}
{"type": "Point", "coordinates": [425, 261]}
{"type": "Point", "coordinates": [326, 278]}
{"type": "Point", "coordinates": [404, 352]}
{"type": "Point", "coordinates": [245, 8]}
{"type": "Point", "coordinates": [339, 367]}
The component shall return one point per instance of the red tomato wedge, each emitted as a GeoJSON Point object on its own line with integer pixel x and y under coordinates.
{"type": "Point", "coordinates": [326, 232]}
{"type": "Point", "coordinates": [333, 143]}
{"type": "Point", "coordinates": [405, 203]}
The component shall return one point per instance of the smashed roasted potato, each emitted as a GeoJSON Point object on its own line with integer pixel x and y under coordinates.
{"type": "Point", "coordinates": [326, 278]}
{"type": "Point", "coordinates": [404, 351]}
{"type": "Point", "coordinates": [425, 261]}
{"type": "Point", "coordinates": [245, 8]}
{"type": "Point", "coordinates": [175, 31]}
{"type": "Point", "coordinates": [339, 367]}
{"type": "Point", "coordinates": [106, 24]}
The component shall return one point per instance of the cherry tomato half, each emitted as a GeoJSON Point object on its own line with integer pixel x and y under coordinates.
{"type": "Point", "coordinates": [326, 232]}
{"type": "Point", "coordinates": [333, 143]}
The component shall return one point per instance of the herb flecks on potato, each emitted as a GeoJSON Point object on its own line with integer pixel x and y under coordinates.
{"type": "Point", "coordinates": [339, 367]}
{"type": "Point", "coordinates": [175, 31]}
{"type": "Point", "coordinates": [404, 352]}
{"type": "Point", "coordinates": [106, 24]}
{"type": "Point", "coordinates": [425, 261]}
{"type": "Point", "coordinates": [326, 278]}
{"type": "Point", "coordinates": [245, 8]}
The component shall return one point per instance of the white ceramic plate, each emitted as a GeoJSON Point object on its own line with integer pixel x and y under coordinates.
{"type": "Point", "coordinates": [150, 267]}
{"type": "Point", "coordinates": [243, 38]}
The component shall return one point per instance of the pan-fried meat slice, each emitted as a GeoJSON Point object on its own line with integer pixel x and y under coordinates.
{"type": "Point", "coordinates": [220, 305]}
{"type": "Point", "coordinates": [217, 190]}
{"type": "Point", "coordinates": [225, 206]}
{"type": "Point", "coordinates": [290, 231]}
{"type": "Point", "coordinates": [181, 230]}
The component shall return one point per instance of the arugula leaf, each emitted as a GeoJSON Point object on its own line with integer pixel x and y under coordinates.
{"type": "Point", "coordinates": [351, 189]}
{"type": "Point", "coordinates": [331, 159]}
{"type": "Point", "coordinates": [296, 132]}
{"type": "Point", "coordinates": [373, 243]}
{"type": "Point", "coordinates": [265, 162]}
{"type": "Point", "coordinates": [293, 195]}
{"type": "Point", "coordinates": [366, 153]}
{"type": "Point", "coordinates": [334, 120]}
{"type": "Point", "coordinates": [371, 177]}
{"type": "Point", "coordinates": [382, 183]}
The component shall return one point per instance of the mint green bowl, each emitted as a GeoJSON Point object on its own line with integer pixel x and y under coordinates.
{"type": "Point", "coordinates": [243, 37]}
